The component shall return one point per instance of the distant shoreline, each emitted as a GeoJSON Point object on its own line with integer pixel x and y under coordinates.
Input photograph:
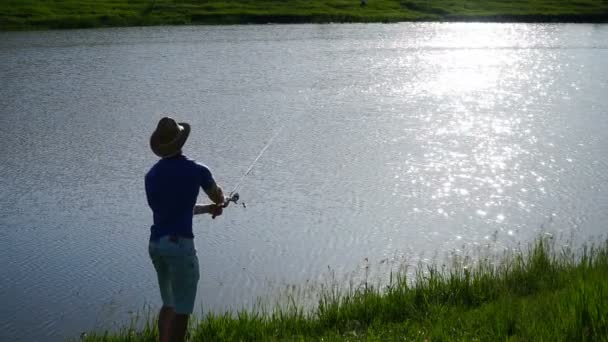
{"type": "Point", "coordinates": [72, 14]}
{"type": "Point", "coordinates": [79, 23]}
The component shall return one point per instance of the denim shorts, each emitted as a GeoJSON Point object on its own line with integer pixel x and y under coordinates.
{"type": "Point", "coordinates": [176, 266]}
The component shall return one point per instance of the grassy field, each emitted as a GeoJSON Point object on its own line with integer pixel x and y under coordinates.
{"type": "Point", "coordinates": [49, 14]}
{"type": "Point", "coordinates": [545, 294]}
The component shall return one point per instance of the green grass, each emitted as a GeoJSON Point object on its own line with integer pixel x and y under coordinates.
{"type": "Point", "coordinates": [541, 295]}
{"type": "Point", "coordinates": [49, 14]}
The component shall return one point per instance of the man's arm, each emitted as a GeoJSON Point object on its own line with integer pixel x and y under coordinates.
{"type": "Point", "coordinates": [213, 191]}
{"type": "Point", "coordinates": [204, 209]}
{"type": "Point", "coordinates": [215, 194]}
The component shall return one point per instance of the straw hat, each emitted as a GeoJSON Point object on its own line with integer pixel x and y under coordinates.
{"type": "Point", "coordinates": [169, 137]}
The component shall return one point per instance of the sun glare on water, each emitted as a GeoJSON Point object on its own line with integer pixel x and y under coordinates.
{"type": "Point", "coordinates": [473, 142]}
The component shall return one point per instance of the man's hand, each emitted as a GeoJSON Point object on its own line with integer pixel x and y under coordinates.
{"type": "Point", "coordinates": [212, 209]}
{"type": "Point", "coordinates": [216, 210]}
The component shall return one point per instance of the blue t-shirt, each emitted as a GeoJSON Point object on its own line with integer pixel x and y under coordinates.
{"type": "Point", "coordinates": [172, 186]}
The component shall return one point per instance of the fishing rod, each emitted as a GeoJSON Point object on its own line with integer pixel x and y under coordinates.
{"type": "Point", "coordinates": [234, 196]}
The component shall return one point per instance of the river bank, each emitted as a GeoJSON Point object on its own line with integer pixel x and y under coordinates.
{"type": "Point", "coordinates": [546, 293]}
{"type": "Point", "coordinates": [35, 15]}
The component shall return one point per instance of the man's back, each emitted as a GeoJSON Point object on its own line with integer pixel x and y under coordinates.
{"type": "Point", "coordinates": [172, 187]}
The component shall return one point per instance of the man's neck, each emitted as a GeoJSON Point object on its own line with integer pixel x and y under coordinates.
{"type": "Point", "coordinates": [175, 156]}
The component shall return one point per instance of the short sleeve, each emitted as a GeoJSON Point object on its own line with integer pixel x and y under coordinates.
{"type": "Point", "coordinates": [206, 178]}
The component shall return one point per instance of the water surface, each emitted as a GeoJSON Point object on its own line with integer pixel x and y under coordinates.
{"type": "Point", "coordinates": [397, 143]}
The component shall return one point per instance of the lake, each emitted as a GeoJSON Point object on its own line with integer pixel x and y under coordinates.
{"type": "Point", "coordinates": [396, 145]}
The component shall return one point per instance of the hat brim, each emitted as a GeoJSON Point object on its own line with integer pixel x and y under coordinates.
{"type": "Point", "coordinates": [173, 147]}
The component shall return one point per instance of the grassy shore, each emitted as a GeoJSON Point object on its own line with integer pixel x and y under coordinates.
{"type": "Point", "coordinates": [544, 294]}
{"type": "Point", "coordinates": [49, 14]}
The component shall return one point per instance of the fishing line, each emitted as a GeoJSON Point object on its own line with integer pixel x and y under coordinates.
{"type": "Point", "coordinates": [234, 196]}
{"type": "Point", "coordinates": [256, 160]}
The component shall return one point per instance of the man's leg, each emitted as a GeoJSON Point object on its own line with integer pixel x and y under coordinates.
{"type": "Point", "coordinates": [184, 284]}
{"type": "Point", "coordinates": [165, 318]}
{"type": "Point", "coordinates": [163, 272]}
{"type": "Point", "coordinates": [179, 327]}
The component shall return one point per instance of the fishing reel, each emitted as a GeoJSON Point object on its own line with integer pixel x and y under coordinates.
{"type": "Point", "coordinates": [233, 197]}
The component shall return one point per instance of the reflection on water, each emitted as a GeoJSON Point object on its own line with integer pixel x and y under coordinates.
{"type": "Point", "coordinates": [400, 144]}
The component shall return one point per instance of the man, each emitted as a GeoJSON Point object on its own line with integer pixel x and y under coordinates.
{"type": "Point", "coordinates": [172, 186]}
